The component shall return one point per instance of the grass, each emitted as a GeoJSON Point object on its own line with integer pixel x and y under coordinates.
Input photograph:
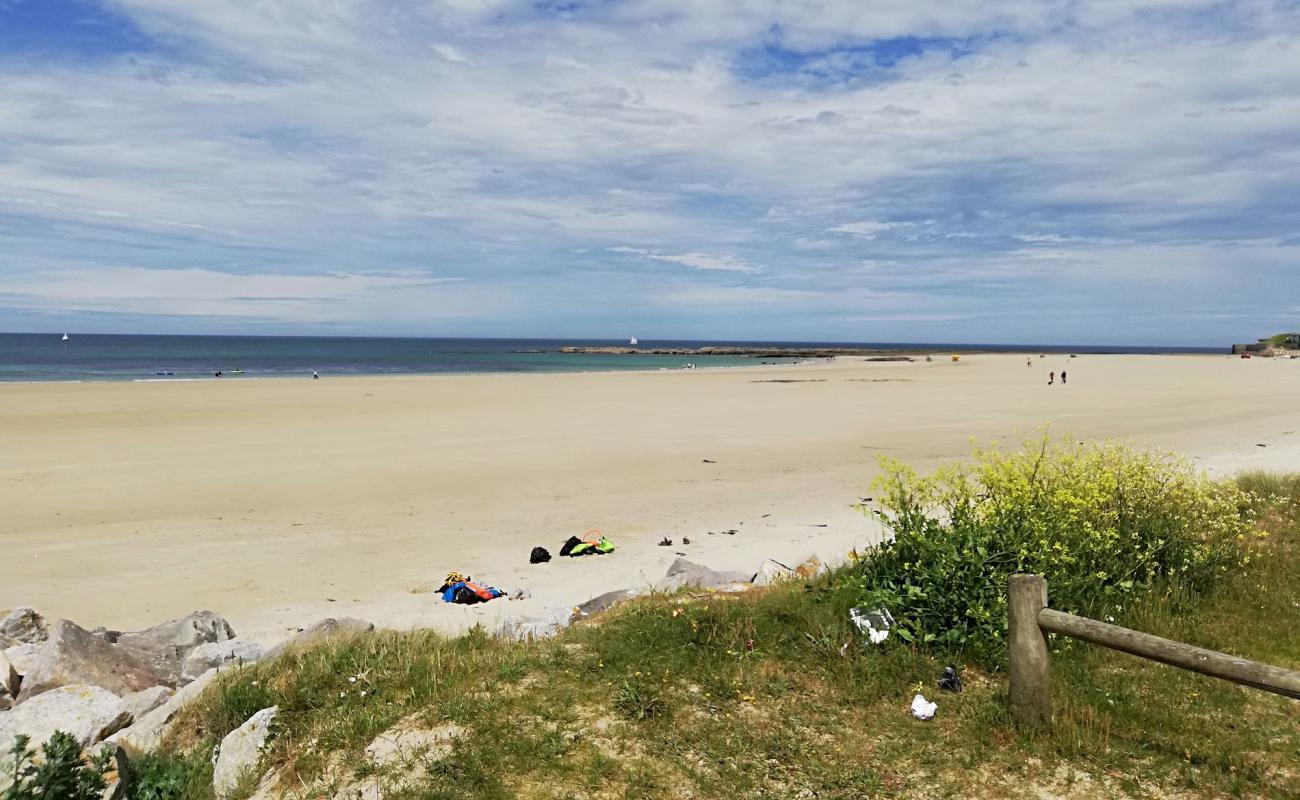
{"type": "Point", "coordinates": [772, 694]}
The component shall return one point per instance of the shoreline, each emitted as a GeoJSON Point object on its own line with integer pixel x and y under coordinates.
{"type": "Point", "coordinates": [279, 502]}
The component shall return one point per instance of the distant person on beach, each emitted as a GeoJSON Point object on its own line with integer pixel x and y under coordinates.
{"type": "Point", "coordinates": [1062, 376]}
{"type": "Point", "coordinates": [217, 374]}
{"type": "Point", "coordinates": [1051, 379]}
{"type": "Point", "coordinates": [1029, 362]}
{"type": "Point", "coordinates": [316, 375]}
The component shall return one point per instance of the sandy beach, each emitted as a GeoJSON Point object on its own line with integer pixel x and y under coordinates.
{"type": "Point", "coordinates": [278, 502]}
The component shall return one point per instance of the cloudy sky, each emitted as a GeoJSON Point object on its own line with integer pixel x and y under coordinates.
{"type": "Point", "coordinates": [1081, 171]}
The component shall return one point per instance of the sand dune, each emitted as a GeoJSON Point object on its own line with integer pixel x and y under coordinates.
{"type": "Point", "coordinates": [277, 502]}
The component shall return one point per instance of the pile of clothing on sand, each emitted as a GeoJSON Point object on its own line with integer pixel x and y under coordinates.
{"type": "Point", "coordinates": [462, 589]}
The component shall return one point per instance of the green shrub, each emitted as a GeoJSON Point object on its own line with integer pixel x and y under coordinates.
{"type": "Point", "coordinates": [168, 776]}
{"type": "Point", "coordinates": [62, 773]}
{"type": "Point", "coordinates": [1101, 521]}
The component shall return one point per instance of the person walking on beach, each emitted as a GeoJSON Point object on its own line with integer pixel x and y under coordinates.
{"type": "Point", "coordinates": [316, 375]}
{"type": "Point", "coordinates": [1051, 379]}
{"type": "Point", "coordinates": [1062, 377]}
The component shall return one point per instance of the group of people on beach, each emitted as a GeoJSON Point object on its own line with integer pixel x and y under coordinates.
{"type": "Point", "coordinates": [1051, 376]}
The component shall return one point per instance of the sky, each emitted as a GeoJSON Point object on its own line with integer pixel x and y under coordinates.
{"type": "Point", "coordinates": [1054, 171]}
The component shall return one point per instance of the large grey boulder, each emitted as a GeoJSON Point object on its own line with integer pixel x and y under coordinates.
{"type": "Point", "coordinates": [23, 656]}
{"type": "Point", "coordinates": [771, 572]}
{"type": "Point", "coordinates": [176, 639]}
{"type": "Point", "coordinates": [683, 573]}
{"type": "Point", "coordinates": [602, 602]}
{"type": "Point", "coordinates": [319, 632]}
{"type": "Point", "coordinates": [10, 679]}
{"type": "Point", "coordinates": [148, 731]}
{"type": "Point", "coordinates": [23, 624]}
{"type": "Point", "coordinates": [87, 713]}
{"type": "Point", "coordinates": [139, 704]}
{"type": "Point", "coordinates": [73, 655]}
{"type": "Point", "coordinates": [216, 654]}
{"type": "Point", "coordinates": [238, 753]}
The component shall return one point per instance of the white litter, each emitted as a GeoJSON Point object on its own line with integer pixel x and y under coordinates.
{"type": "Point", "coordinates": [875, 624]}
{"type": "Point", "coordinates": [922, 708]}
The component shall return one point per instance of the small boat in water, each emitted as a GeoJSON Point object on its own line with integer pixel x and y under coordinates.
{"type": "Point", "coordinates": [164, 372]}
{"type": "Point", "coordinates": [632, 341]}
{"type": "Point", "coordinates": [65, 337]}
{"type": "Point", "coordinates": [235, 372]}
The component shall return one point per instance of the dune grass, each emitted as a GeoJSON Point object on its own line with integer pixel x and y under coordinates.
{"type": "Point", "coordinates": [773, 694]}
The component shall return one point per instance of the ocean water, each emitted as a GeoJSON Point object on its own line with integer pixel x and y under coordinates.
{"type": "Point", "coordinates": [115, 357]}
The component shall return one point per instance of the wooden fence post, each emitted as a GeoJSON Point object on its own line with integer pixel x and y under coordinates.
{"type": "Point", "coordinates": [1030, 687]}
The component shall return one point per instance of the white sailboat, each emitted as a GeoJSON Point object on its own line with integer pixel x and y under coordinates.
{"type": "Point", "coordinates": [65, 337]}
{"type": "Point", "coordinates": [632, 341]}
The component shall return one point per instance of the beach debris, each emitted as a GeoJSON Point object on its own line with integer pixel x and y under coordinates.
{"type": "Point", "coordinates": [217, 654]}
{"type": "Point", "coordinates": [814, 525]}
{"type": "Point", "coordinates": [923, 709]}
{"type": "Point", "coordinates": [772, 571]}
{"type": "Point", "coordinates": [88, 713]}
{"type": "Point", "coordinates": [685, 540]}
{"type": "Point", "coordinates": [665, 542]}
{"type": "Point", "coordinates": [592, 543]}
{"type": "Point", "coordinates": [709, 461]}
{"type": "Point", "coordinates": [462, 590]}
{"type": "Point", "coordinates": [875, 624]}
{"type": "Point", "coordinates": [539, 555]}
{"type": "Point", "coordinates": [239, 752]}
{"type": "Point", "coordinates": [522, 594]}
{"type": "Point", "coordinates": [1261, 445]}
{"type": "Point", "coordinates": [74, 655]}
{"type": "Point", "coordinates": [320, 631]}
{"type": "Point", "coordinates": [683, 573]}
{"type": "Point", "coordinates": [24, 625]}
{"type": "Point", "coordinates": [950, 680]}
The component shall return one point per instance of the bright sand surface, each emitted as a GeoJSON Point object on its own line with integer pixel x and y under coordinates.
{"type": "Point", "coordinates": [278, 502]}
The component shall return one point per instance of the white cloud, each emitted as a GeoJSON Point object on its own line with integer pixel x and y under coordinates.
{"type": "Point", "coordinates": [721, 262]}
{"type": "Point", "coordinates": [866, 229]}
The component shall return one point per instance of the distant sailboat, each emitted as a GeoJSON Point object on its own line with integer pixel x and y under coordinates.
{"type": "Point", "coordinates": [632, 341]}
{"type": "Point", "coordinates": [65, 337]}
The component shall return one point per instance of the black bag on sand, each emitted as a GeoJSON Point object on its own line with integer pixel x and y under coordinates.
{"type": "Point", "coordinates": [567, 547]}
{"type": "Point", "coordinates": [539, 555]}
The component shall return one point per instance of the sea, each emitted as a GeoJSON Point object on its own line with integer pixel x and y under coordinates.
{"type": "Point", "coordinates": [120, 357]}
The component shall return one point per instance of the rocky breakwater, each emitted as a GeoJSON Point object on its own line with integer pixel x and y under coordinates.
{"type": "Point", "coordinates": [103, 685]}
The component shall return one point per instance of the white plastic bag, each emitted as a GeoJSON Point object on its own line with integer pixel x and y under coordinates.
{"type": "Point", "coordinates": [922, 708]}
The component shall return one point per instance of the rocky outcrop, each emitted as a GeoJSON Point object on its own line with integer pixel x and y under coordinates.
{"type": "Point", "coordinates": [216, 654]}
{"type": "Point", "coordinates": [319, 632]}
{"type": "Point", "coordinates": [87, 713]}
{"type": "Point", "coordinates": [238, 753]}
{"type": "Point", "coordinates": [23, 656]}
{"type": "Point", "coordinates": [684, 573]}
{"type": "Point", "coordinates": [139, 704]}
{"type": "Point", "coordinates": [175, 640]}
{"type": "Point", "coordinates": [10, 679]}
{"type": "Point", "coordinates": [772, 572]}
{"type": "Point", "coordinates": [23, 625]}
{"type": "Point", "coordinates": [602, 602]}
{"type": "Point", "coordinates": [73, 655]}
{"type": "Point", "coordinates": [148, 731]}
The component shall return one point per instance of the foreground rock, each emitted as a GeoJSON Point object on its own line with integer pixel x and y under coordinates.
{"type": "Point", "coordinates": [602, 602]}
{"type": "Point", "coordinates": [238, 753]}
{"type": "Point", "coordinates": [23, 656]}
{"type": "Point", "coordinates": [147, 732]}
{"type": "Point", "coordinates": [175, 640]}
{"type": "Point", "coordinates": [74, 655]}
{"type": "Point", "coordinates": [218, 654]}
{"type": "Point", "coordinates": [542, 625]}
{"type": "Point", "coordinates": [88, 713]}
{"type": "Point", "coordinates": [10, 680]}
{"type": "Point", "coordinates": [319, 632]}
{"type": "Point", "coordinates": [139, 704]}
{"type": "Point", "coordinates": [24, 625]}
{"type": "Point", "coordinates": [683, 573]}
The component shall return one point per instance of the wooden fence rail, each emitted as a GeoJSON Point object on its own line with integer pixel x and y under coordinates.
{"type": "Point", "coordinates": [1030, 620]}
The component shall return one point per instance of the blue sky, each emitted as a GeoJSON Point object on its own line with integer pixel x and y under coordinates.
{"type": "Point", "coordinates": [1088, 171]}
